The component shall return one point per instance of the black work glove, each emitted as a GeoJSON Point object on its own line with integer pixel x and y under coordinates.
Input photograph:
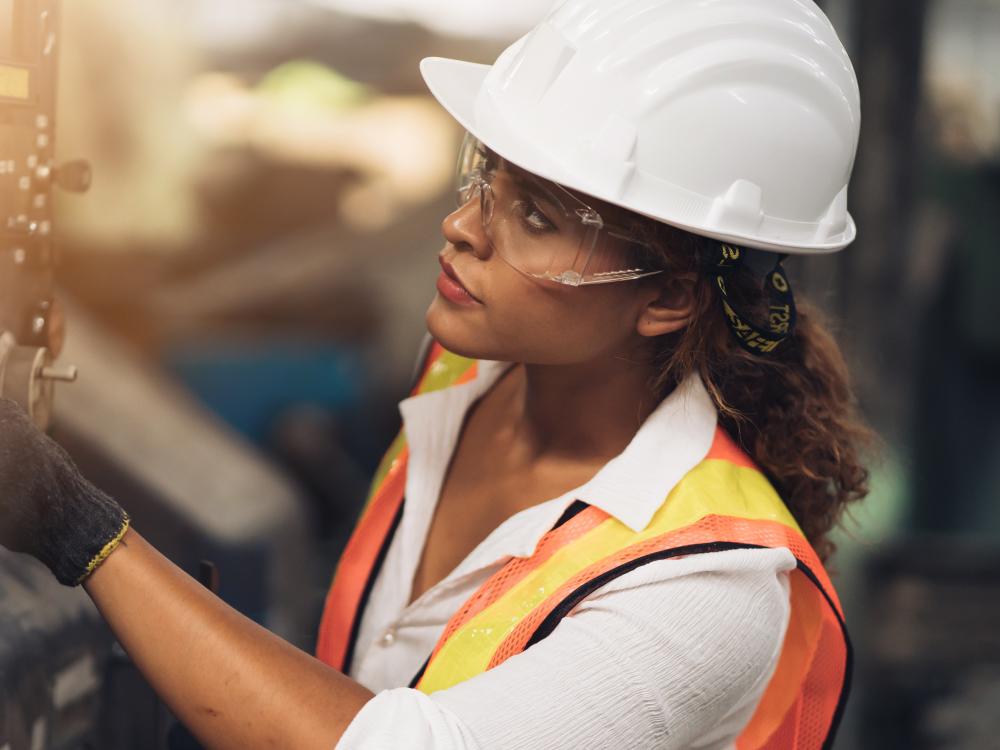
{"type": "Point", "coordinates": [47, 509]}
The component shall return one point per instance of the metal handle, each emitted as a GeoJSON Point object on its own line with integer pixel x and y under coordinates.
{"type": "Point", "coordinates": [68, 375]}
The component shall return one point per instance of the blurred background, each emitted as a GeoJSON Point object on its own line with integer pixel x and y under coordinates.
{"type": "Point", "coordinates": [245, 283]}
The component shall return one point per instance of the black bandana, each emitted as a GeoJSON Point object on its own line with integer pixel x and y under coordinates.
{"type": "Point", "coordinates": [781, 303]}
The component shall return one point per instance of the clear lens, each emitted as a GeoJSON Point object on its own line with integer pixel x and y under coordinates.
{"type": "Point", "coordinates": [539, 227]}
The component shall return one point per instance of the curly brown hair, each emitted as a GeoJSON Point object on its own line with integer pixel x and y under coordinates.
{"type": "Point", "coordinates": [793, 411]}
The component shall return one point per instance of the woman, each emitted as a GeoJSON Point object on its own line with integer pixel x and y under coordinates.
{"type": "Point", "coordinates": [604, 522]}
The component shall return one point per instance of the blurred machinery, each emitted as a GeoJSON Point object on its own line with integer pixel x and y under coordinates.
{"type": "Point", "coordinates": [30, 324]}
{"type": "Point", "coordinates": [194, 489]}
{"type": "Point", "coordinates": [931, 677]}
{"type": "Point", "coordinates": [51, 640]}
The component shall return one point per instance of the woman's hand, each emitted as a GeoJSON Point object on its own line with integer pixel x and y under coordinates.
{"type": "Point", "coordinates": [47, 509]}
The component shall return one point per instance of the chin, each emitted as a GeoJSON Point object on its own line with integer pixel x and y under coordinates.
{"type": "Point", "coordinates": [470, 335]}
{"type": "Point", "coordinates": [457, 334]}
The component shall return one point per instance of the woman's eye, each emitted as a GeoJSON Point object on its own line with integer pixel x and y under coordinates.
{"type": "Point", "coordinates": [533, 217]}
{"type": "Point", "coordinates": [486, 159]}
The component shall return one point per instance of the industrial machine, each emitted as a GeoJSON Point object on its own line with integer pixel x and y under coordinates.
{"type": "Point", "coordinates": [30, 321]}
{"type": "Point", "coordinates": [49, 694]}
{"type": "Point", "coordinates": [193, 488]}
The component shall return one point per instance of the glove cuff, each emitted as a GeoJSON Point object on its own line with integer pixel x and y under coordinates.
{"type": "Point", "coordinates": [89, 527]}
{"type": "Point", "coordinates": [106, 550]}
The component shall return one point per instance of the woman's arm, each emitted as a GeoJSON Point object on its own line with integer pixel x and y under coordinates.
{"type": "Point", "coordinates": [233, 683]}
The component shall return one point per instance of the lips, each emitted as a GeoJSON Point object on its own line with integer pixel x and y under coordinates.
{"type": "Point", "coordinates": [451, 286]}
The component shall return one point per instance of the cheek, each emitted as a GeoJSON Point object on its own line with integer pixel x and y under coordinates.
{"type": "Point", "coordinates": [524, 321]}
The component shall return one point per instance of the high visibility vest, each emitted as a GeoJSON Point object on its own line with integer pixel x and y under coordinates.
{"type": "Point", "coordinates": [723, 503]}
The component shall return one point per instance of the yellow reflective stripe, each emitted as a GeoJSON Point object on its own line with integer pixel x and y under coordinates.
{"type": "Point", "coordinates": [714, 487]}
{"type": "Point", "coordinates": [445, 370]}
{"type": "Point", "coordinates": [468, 652]}
{"type": "Point", "coordinates": [395, 448]}
{"type": "Point", "coordinates": [718, 487]}
{"type": "Point", "coordinates": [441, 373]}
{"type": "Point", "coordinates": [802, 638]}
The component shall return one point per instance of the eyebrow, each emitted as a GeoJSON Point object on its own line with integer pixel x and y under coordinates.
{"type": "Point", "coordinates": [519, 173]}
{"type": "Point", "coordinates": [532, 184]}
{"type": "Point", "coordinates": [551, 190]}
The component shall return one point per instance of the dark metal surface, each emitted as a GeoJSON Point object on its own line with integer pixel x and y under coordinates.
{"type": "Point", "coordinates": [932, 674]}
{"type": "Point", "coordinates": [54, 653]}
{"type": "Point", "coordinates": [197, 492]}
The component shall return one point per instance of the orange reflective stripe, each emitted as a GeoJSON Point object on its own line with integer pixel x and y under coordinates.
{"type": "Point", "coordinates": [445, 369]}
{"type": "Point", "coordinates": [399, 443]}
{"type": "Point", "coordinates": [813, 705]}
{"type": "Point", "coordinates": [501, 582]}
{"type": "Point", "coordinates": [739, 491]}
{"type": "Point", "coordinates": [824, 691]}
{"type": "Point", "coordinates": [356, 563]}
{"type": "Point", "coordinates": [396, 449]}
{"type": "Point", "coordinates": [797, 656]}
{"type": "Point", "coordinates": [709, 530]}
{"type": "Point", "coordinates": [724, 448]}
{"type": "Point", "coordinates": [812, 667]}
{"type": "Point", "coordinates": [724, 502]}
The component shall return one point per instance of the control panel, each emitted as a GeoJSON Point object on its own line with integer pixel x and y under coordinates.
{"type": "Point", "coordinates": [31, 325]}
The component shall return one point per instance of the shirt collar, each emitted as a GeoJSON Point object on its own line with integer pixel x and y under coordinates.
{"type": "Point", "coordinates": [672, 440]}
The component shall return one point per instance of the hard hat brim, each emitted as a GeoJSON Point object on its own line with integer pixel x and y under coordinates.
{"type": "Point", "coordinates": [457, 86]}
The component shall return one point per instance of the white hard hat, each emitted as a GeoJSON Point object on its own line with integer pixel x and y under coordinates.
{"type": "Point", "coordinates": [734, 119]}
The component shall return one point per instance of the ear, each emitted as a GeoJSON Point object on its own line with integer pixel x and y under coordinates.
{"type": "Point", "coordinates": [671, 308]}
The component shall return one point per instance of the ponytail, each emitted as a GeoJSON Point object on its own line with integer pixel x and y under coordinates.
{"type": "Point", "coordinates": [792, 410]}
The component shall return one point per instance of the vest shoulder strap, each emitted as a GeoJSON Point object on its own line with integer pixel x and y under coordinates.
{"type": "Point", "coordinates": [724, 503]}
{"type": "Point", "coordinates": [366, 549]}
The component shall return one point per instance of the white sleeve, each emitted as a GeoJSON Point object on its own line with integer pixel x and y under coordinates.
{"type": "Point", "coordinates": [674, 654]}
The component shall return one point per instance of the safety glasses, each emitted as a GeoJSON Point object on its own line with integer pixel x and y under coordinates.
{"type": "Point", "coordinates": [539, 227]}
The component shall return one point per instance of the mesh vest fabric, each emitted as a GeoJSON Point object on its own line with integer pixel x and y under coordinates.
{"type": "Point", "coordinates": [724, 502]}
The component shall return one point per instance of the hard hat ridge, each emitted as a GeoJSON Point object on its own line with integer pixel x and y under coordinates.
{"type": "Point", "coordinates": [736, 119]}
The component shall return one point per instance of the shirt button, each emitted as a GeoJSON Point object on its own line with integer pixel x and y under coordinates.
{"type": "Point", "coordinates": [389, 637]}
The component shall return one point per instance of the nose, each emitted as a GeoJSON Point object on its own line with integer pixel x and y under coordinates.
{"type": "Point", "coordinates": [464, 229]}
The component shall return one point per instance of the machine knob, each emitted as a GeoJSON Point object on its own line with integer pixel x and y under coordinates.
{"type": "Point", "coordinates": [74, 176]}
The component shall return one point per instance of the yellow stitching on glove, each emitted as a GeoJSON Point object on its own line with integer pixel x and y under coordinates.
{"type": "Point", "coordinates": [105, 551]}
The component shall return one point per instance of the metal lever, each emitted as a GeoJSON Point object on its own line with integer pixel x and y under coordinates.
{"type": "Point", "coordinates": [28, 376]}
{"type": "Point", "coordinates": [68, 375]}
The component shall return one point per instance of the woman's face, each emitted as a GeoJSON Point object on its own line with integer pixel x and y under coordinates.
{"type": "Point", "coordinates": [509, 316]}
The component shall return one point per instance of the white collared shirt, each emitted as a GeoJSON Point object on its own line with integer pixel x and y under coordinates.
{"type": "Point", "coordinates": [674, 654]}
